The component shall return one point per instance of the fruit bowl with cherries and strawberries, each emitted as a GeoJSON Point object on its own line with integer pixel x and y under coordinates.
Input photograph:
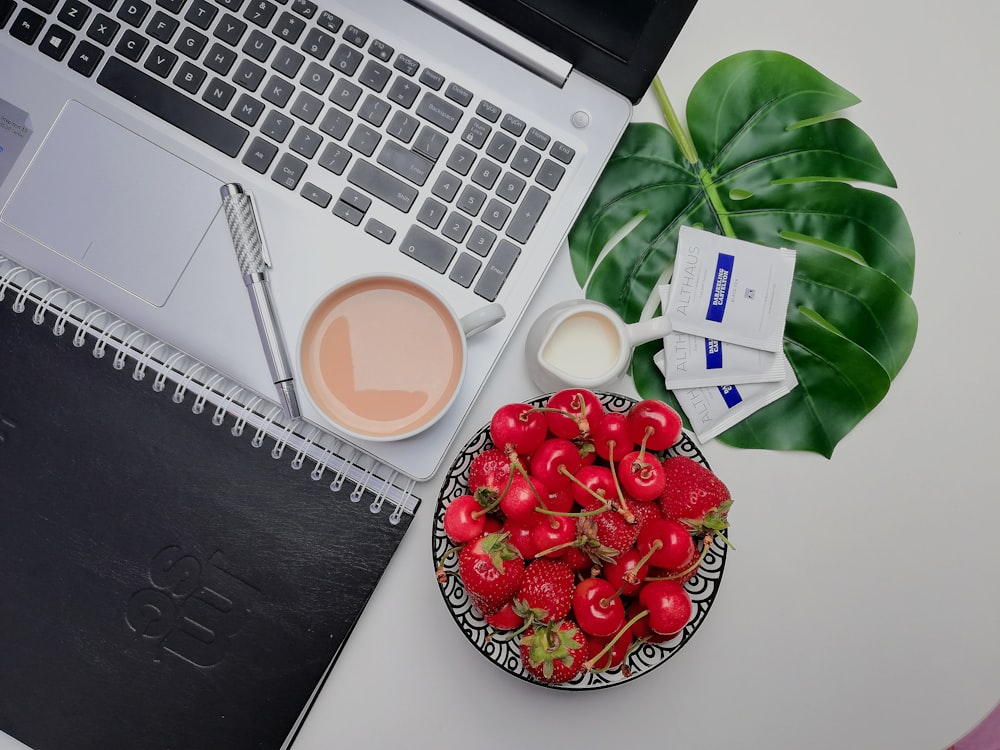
{"type": "Point", "coordinates": [580, 538]}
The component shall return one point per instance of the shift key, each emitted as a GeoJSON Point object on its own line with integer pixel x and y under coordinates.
{"type": "Point", "coordinates": [382, 185]}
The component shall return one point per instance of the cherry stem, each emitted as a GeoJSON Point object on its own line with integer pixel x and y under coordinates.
{"type": "Point", "coordinates": [629, 576]}
{"type": "Point", "coordinates": [622, 505]}
{"type": "Point", "coordinates": [516, 465]}
{"type": "Point", "coordinates": [589, 664]}
{"type": "Point", "coordinates": [564, 545]}
{"type": "Point", "coordinates": [441, 574]}
{"type": "Point", "coordinates": [705, 544]}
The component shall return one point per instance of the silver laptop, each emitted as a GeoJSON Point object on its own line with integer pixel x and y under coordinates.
{"type": "Point", "coordinates": [453, 142]}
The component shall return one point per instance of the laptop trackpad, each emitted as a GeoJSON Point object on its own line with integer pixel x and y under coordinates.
{"type": "Point", "coordinates": [114, 203]}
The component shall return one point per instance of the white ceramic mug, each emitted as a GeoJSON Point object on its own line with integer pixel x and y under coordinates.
{"type": "Point", "coordinates": [584, 344]}
{"type": "Point", "coordinates": [383, 357]}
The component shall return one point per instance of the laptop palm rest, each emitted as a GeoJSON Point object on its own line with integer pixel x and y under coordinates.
{"type": "Point", "coordinates": [114, 203]}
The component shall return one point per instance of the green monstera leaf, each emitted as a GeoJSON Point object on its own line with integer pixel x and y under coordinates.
{"type": "Point", "coordinates": [767, 159]}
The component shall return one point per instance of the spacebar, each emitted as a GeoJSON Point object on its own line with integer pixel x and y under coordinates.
{"type": "Point", "coordinates": [167, 104]}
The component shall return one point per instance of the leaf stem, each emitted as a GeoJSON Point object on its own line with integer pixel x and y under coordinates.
{"type": "Point", "coordinates": [691, 154]}
{"type": "Point", "coordinates": [674, 123]}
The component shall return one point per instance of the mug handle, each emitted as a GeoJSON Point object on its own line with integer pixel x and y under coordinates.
{"type": "Point", "coordinates": [647, 330]}
{"type": "Point", "coordinates": [482, 318]}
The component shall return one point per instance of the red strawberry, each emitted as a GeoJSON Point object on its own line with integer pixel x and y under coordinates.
{"type": "Point", "coordinates": [546, 590]}
{"type": "Point", "coordinates": [489, 474]}
{"type": "Point", "coordinates": [491, 570]}
{"type": "Point", "coordinates": [694, 496]}
{"type": "Point", "coordinates": [556, 652]}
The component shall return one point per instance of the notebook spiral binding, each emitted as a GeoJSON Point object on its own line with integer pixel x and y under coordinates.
{"type": "Point", "coordinates": [307, 443]}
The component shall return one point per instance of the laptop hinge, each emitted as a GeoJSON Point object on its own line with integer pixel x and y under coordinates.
{"type": "Point", "coordinates": [499, 38]}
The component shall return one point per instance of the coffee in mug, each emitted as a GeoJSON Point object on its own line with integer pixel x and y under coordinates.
{"type": "Point", "coordinates": [383, 357]}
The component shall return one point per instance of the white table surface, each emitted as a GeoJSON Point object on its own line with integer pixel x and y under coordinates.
{"type": "Point", "coordinates": [860, 609]}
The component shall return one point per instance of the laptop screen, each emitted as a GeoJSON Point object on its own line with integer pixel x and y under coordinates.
{"type": "Point", "coordinates": [621, 44]}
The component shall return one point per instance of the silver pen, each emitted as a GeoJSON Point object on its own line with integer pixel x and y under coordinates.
{"type": "Point", "coordinates": [254, 261]}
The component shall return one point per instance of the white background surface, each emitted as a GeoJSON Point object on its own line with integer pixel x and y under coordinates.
{"type": "Point", "coordinates": [860, 609]}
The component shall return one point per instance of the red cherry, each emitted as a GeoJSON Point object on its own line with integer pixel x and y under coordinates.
{"type": "Point", "coordinates": [573, 412]}
{"type": "Point", "coordinates": [521, 538]}
{"type": "Point", "coordinates": [668, 604]}
{"type": "Point", "coordinates": [653, 424]}
{"type": "Point", "coordinates": [627, 572]}
{"type": "Point", "coordinates": [666, 543]}
{"type": "Point", "coordinates": [611, 437]}
{"type": "Point", "coordinates": [562, 501]}
{"type": "Point", "coordinates": [522, 497]}
{"type": "Point", "coordinates": [642, 475]}
{"type": "Point", "coordinates": [554, 461]}
{"type": "Point", "coordinates": [518, 427]}
{"type": "Point", "coordinates": [464, 519]}
{"type": "Point", "coordinates": [553, 532]}
{"type": "Point", "coordinates": [593, 483]}
{"type": "Point", "coordinates": [597, 608]}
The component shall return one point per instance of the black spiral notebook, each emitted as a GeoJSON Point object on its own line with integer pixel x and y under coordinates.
{"type": "Point", "coordinates": [163, 582]}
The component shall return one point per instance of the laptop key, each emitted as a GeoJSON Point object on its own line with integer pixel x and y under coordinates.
{"type": "Point", "coordinates": [193, 118]}
{"type": "Point", "coordinates": [497, 270]}
{"type": "Point", "coordinates": [56, 42]}
{"type": "Point", "coordinates": [46, 6]}
{"type": "Point", "coordinates": [527, 214]}
{"type": "Point", "coordinates": [85, 58]}
{"type": "Point", "coordinates": [382, 185]}
{"type": "Point", "coordinates": [260, 155]}
{"type": "Point", "coordinates": [465, 270]}
{"type": "Point", "coordinates": [407, 164]}
{"type": "Point", "coordinates": [436, 110]}
{"type": "Point", "coordinates": [102, 29]}
{"type": "Point", "coordinates": [380, 231]}
{"type": "Point", "coordinates": [162, 27]}
{"type": "Point", "coordinates": [160, 61]}
{"type": "Point", "coordinates": [316, 195]}
{"type": "Point", "coordinates": [550, 174]}
{"type": "Point", "coordinates": [428, 248]}
{"type": "Point", "coordinates": [73, 13]}
{"type": "Point", "coordinates": [289, 171]}
{"type": "Point", "coordinates": [330, 22]}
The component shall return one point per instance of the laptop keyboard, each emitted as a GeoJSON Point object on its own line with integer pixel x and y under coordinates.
{"type": "Point", "coordinates": [299, 94]}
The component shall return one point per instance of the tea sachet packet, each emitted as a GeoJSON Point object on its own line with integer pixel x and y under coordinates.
{"type": "Point", "coordinates": [712, 410]}
{"type": "Point", "coordinates": [692, 361]}
{"type": "Point", "coordinates": [730, 290]}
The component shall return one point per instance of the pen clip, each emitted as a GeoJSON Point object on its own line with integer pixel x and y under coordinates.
{"type": "Point", "coordinates": [255, 213]}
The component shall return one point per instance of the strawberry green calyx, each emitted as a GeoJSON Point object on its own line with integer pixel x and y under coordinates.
{"type": "Point", "coordinates": [714, 521]}
{"type": "Point", "coordinates": [498, 549]}
{"type": "Point", "coordinates": [547, 646]}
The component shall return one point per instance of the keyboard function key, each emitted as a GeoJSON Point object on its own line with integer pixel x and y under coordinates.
{"type": "Point", "coordinates": [56, 42]}
{"type": "Point", "coordinates": [329, 21]}
{"type": "Point", "coordinates": [315, 194]}
{"type": "Point", "coordinates": [381, 50]}
{"type": "Point", "coordinates": [488, 111]}
{"type": "Point", "coordinates": [432, 79]}
{"type": "Point", "coordinates": [85, 58]}
{"type": "Point", "coordinates": [497, 270]}
{"type": "Point", "coordinates": [305, 8]}
{"type": "Point", "coordinates": [406, 65]}
{"type": "Point", "coordinates": [355, 36]}
{"type": "Point", "coordinates": [259, 155]}
{"type": "Point", "coordinates": [476, 132]}
{"type": "Point", "coordinates": [513, 125]}
{"type": "Point", "coordinates": [537, 138]}
{"type": "Point", "coordinates": [562, 152]}
{"type": "Point", "coordinates": [289, 171]}
{"type": "Point", "coordinates": [28, 25]}
{"type": "Point", "coordinates": [437, 111]}
{"type": "Point", "coordinates": [458, 94]}
{"type": "Point", "coordinates": [380, 231]}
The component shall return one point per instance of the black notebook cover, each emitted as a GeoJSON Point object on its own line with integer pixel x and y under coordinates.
{"type": "Point", "coordinates": [163, 584]}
